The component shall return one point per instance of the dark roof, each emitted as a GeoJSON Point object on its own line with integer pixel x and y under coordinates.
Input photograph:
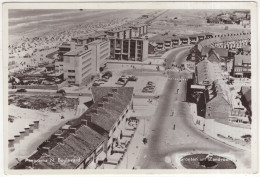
{"type": "Point", "coordinates": [246, 92]}
{"type": "Point", "coordinates": [76, 146]}
{"type": "Point", "coordinates": [218, 107]}
{"type": "Point", "coordinates": [107, 115]}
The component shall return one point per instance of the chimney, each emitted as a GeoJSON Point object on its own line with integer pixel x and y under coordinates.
{"type": "Point", "coordinates": [45, 150]}
{"type": "Point", "coordinates": [22, 134]}
{"type": "Point", "coordinates": [11, 143]}
{"type": "Point", "coordinates": [72, 130]}
{"type": "Point", "coordinates": [105, 99]}
{"type": "Point", "coordinates": [114, 90]}
{"type": "Point", "coordinates": [100, 105]}
{"type": "Point", "coordinates": [94, 110]}
{"type": "Point", "coordinates": [31, 128]}
{"type": "Point", "coordinates": [60, 139]}
{"type": "Point", "coordinates": [110, 94]}
{"type": "Point", "coordinates": [36, 124]}
{"type": "Point", "coordinates": [84, 122]}
{"type": "Point", "coordinates": [26, 131]}
{"type": "Point", "coordinates": [17, 138]}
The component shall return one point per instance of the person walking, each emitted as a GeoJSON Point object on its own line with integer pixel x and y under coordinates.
{"type": "Point", "coordinates": [174, 127]}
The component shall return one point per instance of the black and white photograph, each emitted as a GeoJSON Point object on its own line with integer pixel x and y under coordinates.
{"type": "Point", "coordinates": [130, 87]}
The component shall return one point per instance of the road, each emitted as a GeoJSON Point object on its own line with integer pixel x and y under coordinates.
{"type": "Point", "coordinates": [166, 141]}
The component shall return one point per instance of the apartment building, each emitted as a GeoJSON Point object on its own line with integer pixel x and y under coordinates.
{"type": "Point", "coordinates": [134, 49]}
{"type": "Point", "coordinates": [242, 66]}
{"type": "Point", "coordinates": [78, 65]}
{"type": "Point", "coordinates": [100, 51]}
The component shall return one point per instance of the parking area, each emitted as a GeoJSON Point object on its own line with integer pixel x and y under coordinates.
{"type": "Point", "coordinates": [128, 76]}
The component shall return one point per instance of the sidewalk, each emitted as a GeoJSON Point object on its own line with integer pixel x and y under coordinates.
{"type": "Point", "coordinates": [131, 155]}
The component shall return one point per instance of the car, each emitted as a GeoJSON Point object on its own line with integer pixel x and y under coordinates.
{"type": "Point", "coordinates": [21, 90]}
{"type": "Point", "coordinates": [120, 83]}
{"type": "Point", "coordinates": [99, 82]}
{"type": "Point", "coordinates": [124, 77]}
{"type": "Point", "coordinates": [150, 83]}
{"type": "Point", "coordinates": [133, 78]}
{"type": "Point", "coordinates": [150, 86]}
{"type": "Point", "coordinates": [103, 79]}
{"type": "Point", "coordinates": [95, 84]}
{"type": "Point", "coordinates": [61, 91]}
{"type": "Point", "coordinates": [106, 76]}
{"type": "Point", "coordinates": [108, 73]}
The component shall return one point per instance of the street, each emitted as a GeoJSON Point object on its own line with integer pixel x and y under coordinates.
{"type": "Point", "coordinates": [168, 135]}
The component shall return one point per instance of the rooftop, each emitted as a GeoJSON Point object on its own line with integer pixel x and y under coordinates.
{"type": "Point", "coordinates": [240, 59]}
{"type": "Point", "coordinates": [77, 146]}
{"type": "Point", "coordinates": [114, 101]}
{"type": "Point", "coordinates": [77, 52]}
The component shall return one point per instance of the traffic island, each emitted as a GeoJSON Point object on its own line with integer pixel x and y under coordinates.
{"type": "Point", "coordinates": [206, 161]}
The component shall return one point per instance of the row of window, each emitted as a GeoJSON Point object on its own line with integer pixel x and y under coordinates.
{"type": "Point", "coordinates": [85, 67]}
{"type": "Point", "coordinates": [71, 71]}
{"type": "Point", "coordinates": [86, 56]}
{"type": "Point", "coordinates": [83, 74]}
{"type": "Point", "coordinates": [86, 61]}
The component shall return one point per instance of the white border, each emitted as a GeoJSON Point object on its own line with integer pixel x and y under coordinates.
{"type": "Point", "coordinates": [137, 5]}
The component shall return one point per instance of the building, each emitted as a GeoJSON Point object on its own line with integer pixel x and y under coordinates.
{"type": "Point", "coordinates": [133, 49]}
{"type": "Point", "coordinates": [101, 52]}
{"type": "Point", "coordinates": [242, 66]}
{"type": "Point", "coordinates": [88, 141]}
{"type": "Point", "coordinates": [85, 39]}
{"type": "Point", "coordinates": [138, 30]}
{"type": "Point", "coordinates": [81, 62]}
{"type": "Point", "coordinates": [120, 33]}
{"type": "Point", "coordinates": [218, 107]}
{"type": "Point", "coordinates": [207, 72]}
{"type": "Point", "coordinates": [78, 66]}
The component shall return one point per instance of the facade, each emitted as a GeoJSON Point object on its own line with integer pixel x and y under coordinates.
{"type": "Point", "coordinates": [100, 51]}
{"type": "Point", "coordinates": [242, 66]}
{"type": "Point", "coordinates": [78, 66]}
{"type": "Point", "coordinates": [134, 49]}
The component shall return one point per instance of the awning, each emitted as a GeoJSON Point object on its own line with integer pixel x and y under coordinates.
{"type": "Point", "coordinates": [101, 156]}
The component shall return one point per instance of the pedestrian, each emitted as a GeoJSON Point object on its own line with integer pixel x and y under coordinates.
{"type": "Point", "coordinates": [174, 127]}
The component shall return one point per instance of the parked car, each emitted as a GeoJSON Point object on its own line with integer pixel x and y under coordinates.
{"type": "Point", "coordinates": [132, 78]}
{"type": "Point", "coordinates": [99, 82]}
{"type": "Point", "coordinates": [124, 77]}
{"type": "Point", "coordinates": [21, 90]}
{"type": "Point", "coordinates": [103, 79]}
{"type": "Point", "coordinates": [61, 91]}
{"type": "Point", "coordinates": [108, 73]}
{"type": "Point", "coordinates": [120, 82]}
{"type": "Point", "coordinates": [95, 84]}
{"type": "Point", "coordinates": [150, 83]}
{"type": "Point", "coordinates": [106, 76]}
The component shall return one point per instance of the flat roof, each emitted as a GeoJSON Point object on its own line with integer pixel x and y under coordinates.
{"type": "Point", "coordinates": [77, 52]}
{"type": "Point", "coordinates": [96, 42]}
